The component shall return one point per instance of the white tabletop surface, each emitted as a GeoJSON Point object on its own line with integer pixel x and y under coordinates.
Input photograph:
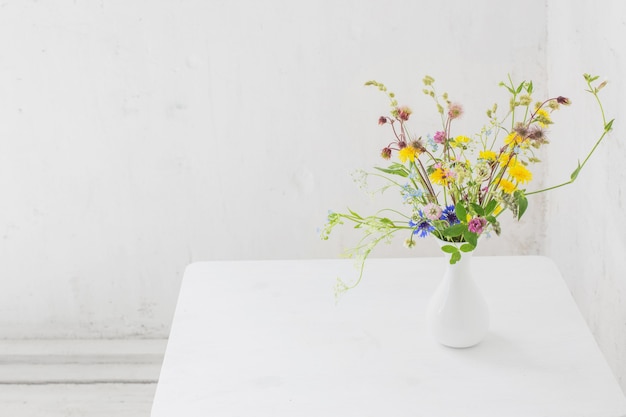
{"type": "Point", "coordinates": [267, 338]}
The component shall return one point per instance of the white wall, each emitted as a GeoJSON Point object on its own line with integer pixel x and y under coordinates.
{"type": "Point", "coordinates": [139, 136]}
{"type": "Point", "coordinates": [585, 222]}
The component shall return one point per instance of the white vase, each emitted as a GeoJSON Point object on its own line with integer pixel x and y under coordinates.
{"type": "Point", "coordinates": [458, 315]}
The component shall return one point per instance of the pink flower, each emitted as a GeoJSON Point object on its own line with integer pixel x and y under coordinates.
{"type": "Point", "coordinates": [455, 110]}
{"type": "Point", "coordinates": [403, 113]}
{"type": "Point", "coordinates": [440, 137]}
{"type": "Point", "coordinates": [477, 225]}
{"type": "Point", "coordinates": [432, 211]}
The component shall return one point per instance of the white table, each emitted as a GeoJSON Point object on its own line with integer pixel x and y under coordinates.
{"type": "Point", "coordinates": [266, 338]}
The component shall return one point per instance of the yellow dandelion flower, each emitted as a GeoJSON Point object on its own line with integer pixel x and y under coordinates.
{"type": "Point", "coordinates": [408, 153]}
{"type": "Point", "coordinates": [497, 210]}
{"type": "Point", "coordinates": [442, 176]}
{"type": "Point", "coordinates": [520, 173]}
{"type": "Point", "coordinates": [507, 186]}
{"type": "Point", "coordinates": [460, 141]}
{"type": "Point", "coordinates": [504, 159]}
{"type": "Point", "coordinates": [514, 138]}
{"type": "Point", "coordinates": [487, 155]}
{"type": "Point", "coordinates": [543, 117]}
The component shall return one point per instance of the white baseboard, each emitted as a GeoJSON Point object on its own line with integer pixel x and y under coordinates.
{"type": "Point", "coordinates": [80, 361]}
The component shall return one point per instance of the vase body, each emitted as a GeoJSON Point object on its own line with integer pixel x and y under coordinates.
{"type": "Point", "coordinates": [458, 315]}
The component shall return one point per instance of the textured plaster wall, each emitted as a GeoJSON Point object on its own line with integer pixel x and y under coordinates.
{"type": "Point", "coordinates": [139, 136]}
{"type": "Point", "coordinates": [585, 222]}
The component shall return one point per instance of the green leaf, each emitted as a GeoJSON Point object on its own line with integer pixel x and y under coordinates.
{"type": "Point", "coordinates": [401, 172]}
{"type": "Point", "coordinates": [461, 213]}
{"type": "Point", "coordinates": [397, 165]}
{"type": "Point", "coordinates": [387, 221]}
{"type": "Point", "coordinates": [470, 237]}
{"type": "Point", "coordinates": [502, 84]}
{"type": "Point", "coordinates": [478, 209]}
{"type": "Point", "coordinates": [449, 249]}
{"type": "Point", "coordinates": [522, 203]}
{"type": "Point", "coordinates": [456, 257]}
{"type": "Point", "coordinates": [455, 230]}
{"type": "Point", "coordinates": [609, 126]}
{"type": "Point", "coordinates": [491, 219]}
{"type": "Point", "coordinates": [467, 247]}
{"type": "Point", "coordinates": [576, 172]}
{"type": "Point", "coordinates": [491, 206]}
{"type": "Point", "coordinates": [355, 214]}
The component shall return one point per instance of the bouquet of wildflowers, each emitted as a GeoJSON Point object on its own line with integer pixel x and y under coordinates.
{"type": "Point", "coordinates": [456, 186]}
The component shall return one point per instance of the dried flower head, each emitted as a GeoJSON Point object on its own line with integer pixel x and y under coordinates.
{"type": "Point", "coordinates": [536, 133]}
{"type": "Point", "coordinates": [455, 110]}
{"type": "Point", "coordinates": [418, 145]}
{"type": "Point", "coordinates": [521, 129]}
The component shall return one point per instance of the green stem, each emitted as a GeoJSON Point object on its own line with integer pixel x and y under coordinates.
{"type": "Point", "coordinates": [607, 129]}
{"type": "Point", "coordinates": [577, 171]}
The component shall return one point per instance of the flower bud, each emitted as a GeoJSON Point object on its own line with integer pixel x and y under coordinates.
{"type": "Point", "coordinates": [428, 80]}
{"type": "Point", "coordinates": [563, 100]}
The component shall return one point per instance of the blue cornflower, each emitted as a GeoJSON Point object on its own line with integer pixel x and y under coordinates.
{"type": "Point", "coordinates": [448, 214]}
{"type": "Point", "coordinates": [410, 193]}
{"type": "Point", "coordinates": [422, 228]}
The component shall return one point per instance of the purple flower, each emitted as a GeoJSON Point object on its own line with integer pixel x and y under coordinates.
{"type": "Point", "coordinates": [440, 137]}
{"type": "Point", "coordinates": [448, 214]}
{"type": "Point", "coordinates": [477, 225]}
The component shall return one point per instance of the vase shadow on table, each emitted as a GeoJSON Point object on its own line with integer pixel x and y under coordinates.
{"type": "Point", "coordinates": [497, 350]}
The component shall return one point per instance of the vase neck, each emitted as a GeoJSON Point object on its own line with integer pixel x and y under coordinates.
{"type": "Point", "coordinates": [461, 270]}
{"type": "Point", "coordinates": [457, 245]}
